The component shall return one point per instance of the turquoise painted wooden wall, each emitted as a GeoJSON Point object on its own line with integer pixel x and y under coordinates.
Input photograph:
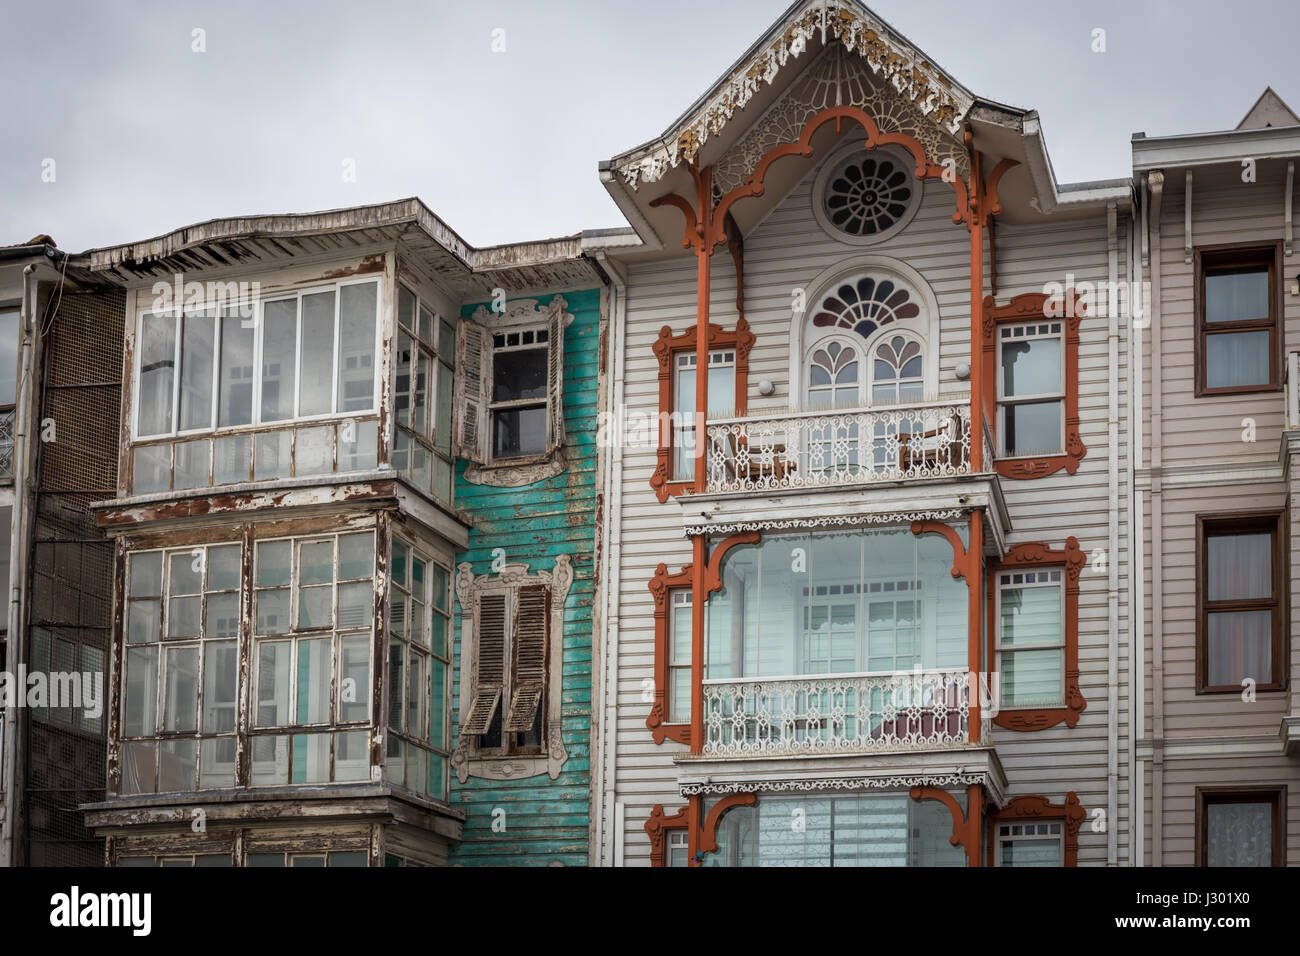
{"type": "Point", "coordinates": [545, 820]}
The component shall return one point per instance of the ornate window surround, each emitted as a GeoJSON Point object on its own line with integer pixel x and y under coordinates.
{"type": "Point", "coordinates": [657, 827]}
{"type": "Point", "coordinates": [465, 759]}
{"type": "Point", "coordinates": [666, 346]}
{"type": "Point", "coordinates": [926, 328]}
{"type": "Point", "coordinates": [1026, 308]}
{"type": "Point", "coordinates": [835, 162]}
{"type": "Point", "coordinates": [519, 315]}
{"type": "Point", "coordinates": [1036, 554]}
{"type": "Point", "coordinates": [1033, 808]}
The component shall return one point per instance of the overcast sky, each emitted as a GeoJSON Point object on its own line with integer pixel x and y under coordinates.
{"type": "Point", "coordinates": [148, 135]}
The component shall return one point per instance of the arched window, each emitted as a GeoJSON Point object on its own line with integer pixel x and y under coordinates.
{"type": "Point", "coordinates": [834, 376]}
{"type": "Point", "coordinates": [897, 370]}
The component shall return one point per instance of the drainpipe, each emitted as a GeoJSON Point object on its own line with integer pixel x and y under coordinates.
{"type": "Point", "coordinates": [18, 559]}
{"type": "Point", "coordinates": [605, 788]}
{"type": "Point", "coordinates": [1137, 539]}
{"type": "Point", "coordinates": [1112, 511]}
{"type": "Point", "coordinates": [1156, 180]}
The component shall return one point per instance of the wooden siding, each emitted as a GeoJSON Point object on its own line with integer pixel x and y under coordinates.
{"type": "Point", "coordinates": [546, 821]}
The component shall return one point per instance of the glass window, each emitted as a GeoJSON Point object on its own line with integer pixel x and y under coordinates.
{"type": "Point", "coordinates": [1240, 618]}
{"type": "Point", "coordinates": [1030, 844]}
{"type": "Point", "coordinates": [423, 397]}
{"type": "Point", "coordinates": [679, 658]}
{"type": "Point", "coordinates": [1240, 828]}
{"type": "Point", "coordinates": [1237, 321]}
{"type": "Point", "coordinates": [8, 356]}
{"type": "Point", "coordinates": [722, 403]}
{"type": "Point", "coordinates": [1031, 638]}
{"type": "Point", "coordinates": [1031, 389]}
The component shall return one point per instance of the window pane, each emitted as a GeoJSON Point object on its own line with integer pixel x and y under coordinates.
{"type": "Point", "coordinates": [1031, 853]}
{"type": "Point", "coordinates": [518, 432]}
{"type": "Point", "coordinates": [438, 709]}
{"type": "Point", "coordinates": [417, 699]}
{"type": "Point", "coordinates": [272, 456]}
{"type": "Point", "coordinates": [270, 760]}
{"type": "Point", "coordinates": [139, 767]}
{"type": "Point", "coordinates": [272, 683]}
{"type": "Point", "coordinates": [177, 765]}
{"type": "Point", "coordinates": [266, 859]}
{"type": "Point", "coordinates": [316, 562]}
{"type": "Point", "coordinates": [223, 568]}
{"type": "Point", "coordinates": [426, 325]}
{"type": "Point", "coordinates": [1237, 359]}
{"type": "Point", "coordinates": [273, 563]}
{"type": "Point", "coordinates": [679, 696]}
{"type": "Point", "coordinates": [1240, 566]}
{"type": "Point", "coordinates": [404, 392]}
{"type": "Point", "coordinates": [406, 307]}
{"type": "Point", "coordinates": [1032, 427]}
{"type": "Point", "coordinates": [358, 446]}
{"type": "Point", "coordinates": [1031, 616]}
{"type": "Point", "coordinates": [273, 611]}
{"type": "Point", "coordinates": [144, 620]}
{"type": "Point", "coordinates": [314, 451]}
{"type": "Point", "coordinates": [8, 357]}
{"type": "Point", "coordinates": [198, 343]}
{"type": "Point", "coordinates": [352, 756]}
{"type": "Point", "coordinates": [231, 459]}
{"type": "Point", "coordinates": [157, 366]}
{"type": "Point", "coordinates": [722, 391]}
{"type": "Point", "coordinates": [354, 678]}
{"type": "Point", "coordinates": [1239, 834]}
{"type": "Point", "coordinates": [420, 394]}
{"type": "Point", "coordinates": [442, 409]}
{"type": "Point", "coordinates": [235, 400]}
{"type": "Point", "coordinates": [357, 346]}
{"type": "Point", "coordinates": [1032, 678]}
{"type": "Point", "coordinates": [1031, 367]}
{"type": "Point", "coordinates": [220, 686]}
{"type": "Point", "coordinates": [396, 683]}
{"type": "Point", "coordinates": [317, 375]}
{"type": "Point", "coordinates": [146, 574]}
{"type": "Point", "coordinates": [519, 375]}
{"type": "Point", "coordinates": [183, 618]}
{"type": "Point", "coordinates": [279, 358]}
{"type": "Point", "coordinates": [222, 617]}
{"type": "Point", "coordinates": [192, 462]}
{"type": "Point", "coordinates": [186, 570]}
{"type": "Point", "coordinates": [151, 469]}
{"type": "Point", "coordinates": [180, 710]}
{"type": "Point", "coordinates": [356, 605]}
{"type": "Point", "coordinates": [141, 705]}
{"type": "Point", "coordinates": [350, 858]}
{"type": "Point", "coordinates": [316, 606]}
{"type": "Point", "coordinates": [1237, 295]}
{"type": "Point", "coordinates": [1239, 645]}
{"type": "Point", "coordinates": [311, 758]}
{"type": "Point", "coordinates": [356, 556]}
{"type": "Point", "coordinates": [314, 682]}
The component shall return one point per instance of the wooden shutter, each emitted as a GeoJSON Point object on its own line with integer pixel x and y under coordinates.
{"type": "Point", "coordinates": [529, 658]}
{"type": "Point", "coordinates": [555, 374]}
{"type": "Point", "coordinates": [471, 390]}
{"type": "Point", "coordinates": [489, 662]}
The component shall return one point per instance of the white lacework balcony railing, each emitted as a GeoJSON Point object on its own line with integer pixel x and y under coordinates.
{"type": "Point", "coordinates": [827, 448]}
{"type": "Point", "coordinates": [837, 713]}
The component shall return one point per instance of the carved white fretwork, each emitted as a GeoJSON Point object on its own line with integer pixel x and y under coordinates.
{"type": "Point", "coordinates": [465, 759]}
{"type": "Point", "coordinates": [834, 783]}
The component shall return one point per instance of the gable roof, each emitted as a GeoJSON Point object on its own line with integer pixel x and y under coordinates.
{"type": "Point", "coordinates": [1269, 110]}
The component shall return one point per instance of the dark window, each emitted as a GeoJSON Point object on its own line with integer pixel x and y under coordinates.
{"type": "Point", "coordinates": [1240, 620]}
{"type": "Point", "coordinates": [1237, 320]}
{"type": "Point", "coordinates": [1240, 827]}
{"type": "Point", "coordinates": [518, 396]}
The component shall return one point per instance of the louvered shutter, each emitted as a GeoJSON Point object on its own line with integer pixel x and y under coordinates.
{"type": "Point", "coordinates": [555, 374]}
{"type": "Point", "coordinates": [471, 390]}
{"type": "Point", "coordinates": [489, 662]}
{"type": "Point", "coordinates": [528, 658]}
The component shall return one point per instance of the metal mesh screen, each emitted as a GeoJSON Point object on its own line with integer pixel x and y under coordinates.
{"type": "Point", "coordinates": [70, 601]}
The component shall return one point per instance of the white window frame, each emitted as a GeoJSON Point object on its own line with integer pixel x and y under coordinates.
{"type": "Point", "coordinates": [1020, 332]}
{"type": "Point", "coordinates": [1007, 580]}
{"type": "Point", "coordinates": [684, 418]}
{"type": "Point", "coordinates": [678, 598]}
{"type": "Point", "coordinates": [259, 332]}
{"type": "Point", "coordinates": [1006, 834]}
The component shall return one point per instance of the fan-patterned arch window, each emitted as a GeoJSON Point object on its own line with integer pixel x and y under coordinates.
{"type": "Point", "coordinates": [865, 304]}
{"type": "Point", "coordinates": [833, 376]}
{"type": "Point", "coordinates": [868, 194]}
{"type": "Point", "coordinates": [897, 371]}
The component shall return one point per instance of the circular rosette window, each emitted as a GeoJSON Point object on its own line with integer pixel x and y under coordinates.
{"type": "Point", "coordinates": [866, 195]}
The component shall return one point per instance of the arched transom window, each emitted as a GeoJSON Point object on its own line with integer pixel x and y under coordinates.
{"type": "Point", "coordinates": [865, 304]}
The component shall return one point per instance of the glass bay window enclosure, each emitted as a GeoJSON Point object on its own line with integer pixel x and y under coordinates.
{"type": "Point", "coordinates": [311, 660]}
{"type": "Point", "coordinates": [423, 396]}
{"type": "Point", "coordinates": [854, 640]}
{"type": "Point", "coordinates": [221, 390]}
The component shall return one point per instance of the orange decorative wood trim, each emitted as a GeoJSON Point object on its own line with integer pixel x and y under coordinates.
{"type": "Point", "coordinates": [961, 557]}
{"type": "Point", "coordinates": [1033, 808]}
{"type": "Point", "coordinates": [1027, 307]}
{"type": "Point", "coordinates": [660, 585]}
{"type": "Point", "coordinates": [656, 828]}
{"type": "Point", "coordinates": [736, 245]}
{"type": "Point", "coordinates": [665, 347]}
{"type": "Point", "coordinates": [966, 824]}
{"type": "Point", "coordinates": [709, 832]}
{"type": "Point", "coordinates": [713, 569]}
{"type": "Point", "coordinates": [1035, 554]}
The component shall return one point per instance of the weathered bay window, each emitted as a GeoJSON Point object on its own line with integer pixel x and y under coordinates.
{"type": "Point", "coordinates": [216, 386]}
{"type": "Point", "coordinates": [422, 398]}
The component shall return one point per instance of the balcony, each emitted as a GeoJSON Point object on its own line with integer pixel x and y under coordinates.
{"type": "Point", "coordinates": [7, 444]}
{"type": "Point", "coordinates": [837, 713]}
{"type": "Point", "coordinates": [824, 448]}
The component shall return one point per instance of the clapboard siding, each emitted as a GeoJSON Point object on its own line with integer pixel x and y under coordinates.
{"type": "Point", "coordinates": [546, 821]}
{"type": "Point", "coordinates": [786, 252]}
